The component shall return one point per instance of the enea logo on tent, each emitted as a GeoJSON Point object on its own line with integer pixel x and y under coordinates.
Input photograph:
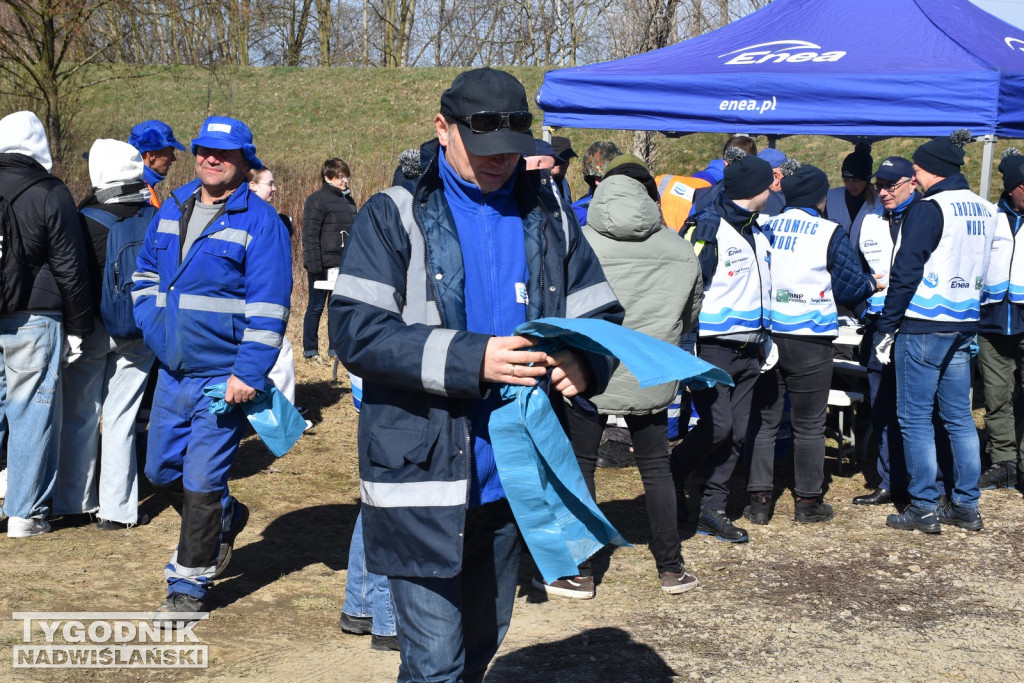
{"type": "Point", "coordinates": [1014, 43]}
{"type": "Point", "coordinates": [782, 51]}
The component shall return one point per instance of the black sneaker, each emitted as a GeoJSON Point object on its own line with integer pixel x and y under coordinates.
{"type": "Point", "coordinates": [177, 604]}
{"type": "Point", "coordinates": [357, 626]}
{"type": "Point", "coordinates": [715, 523]}
{"type": "Point", "coordinates": [227, 540]}
{"type": "Point", "coordinates": [111, 525]}
{"type": "Point", "coordinates": [384, 643]}
{"type": "Point", "coordinates": [812, 510]}
{"type": "Point", "coordinates": [760, 509]}
{"type": "Point", "coordinates": [576, 587]}
{"type": "Point", "coordinates": [615, 455]}
{"type": "Point", "coordinates": [675, 583]}
{"type": "Point", "coordinates": [1002, 475]}
{"type": "Point", "coordinates": [965, 518]}
{"type": "Point", "coordinates": [915, 518]}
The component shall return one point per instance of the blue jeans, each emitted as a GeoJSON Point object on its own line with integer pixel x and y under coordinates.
{"type": "Point", "coordinates": [108, 381]}
{"type": "Point", "coordinates": [367, 594]}
{"type": "Point", "coordinates": [30, 399]}
{"type": "Point", "coordinates": [936, 368]}
{"type": "Point", "coordinates": [449, 629]}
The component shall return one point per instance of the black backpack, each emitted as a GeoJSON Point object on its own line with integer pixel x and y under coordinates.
{"type": "Point", "coordinates": [124, 242]}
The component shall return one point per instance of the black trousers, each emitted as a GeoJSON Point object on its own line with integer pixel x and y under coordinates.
{"type": "Point", "coordinates": [650, 445]}
{"type": "Point", "coordinates": [714, 445]}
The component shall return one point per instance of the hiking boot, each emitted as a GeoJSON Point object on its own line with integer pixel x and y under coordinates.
{"type": "Point", "coordinates": [812, 510]}
{"type": "Point", "coordinates": [111, 525]}
{"type": "Point", "coordinates": [1002, 475]}
{"type": "Point", "coordinates": [615, 455]}
{"type": "Point", "coordinates": [177, 604]}
{"type": "Point", "coordinates": [915, 518]}
{"type": "Point", "coordinates": [26, 527]}
{"type": "Point", "coordinates": [227, 539]}
{"type": "Point", "coordinates": [760, 509]}
{"type": "Point", "coordinates": [576, 587]}
{"type": "Point", "coordinates": [384, 643]}
{"type": "Point", "coordinates": [356, 626]}
{"type": "Point", "coordinates": [675, 583]}
{"type": "Point", "coordinates": [965, 518]}
{"type": "Point", "coordinates": [715, 523]}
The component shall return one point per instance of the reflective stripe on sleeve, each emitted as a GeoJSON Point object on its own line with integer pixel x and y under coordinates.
{"type": "Point", "coordinates": [272, 339]}
{"type": "Point", "coordinates": [589, 299]}
{"type": "Point", "coordinates": [435, 357]}
{"type": "Point", "coordinates": [366, 291]}
{"type": "Point", "coordinates": [261, 309]}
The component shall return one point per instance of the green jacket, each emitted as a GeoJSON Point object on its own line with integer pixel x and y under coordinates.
{"type": "Point", "coordinates": [656, 278]}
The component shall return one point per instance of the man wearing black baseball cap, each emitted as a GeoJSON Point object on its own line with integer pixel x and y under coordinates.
{"type": "Point", "coordinates": [438, 273]}
{"type": "Point", "coordinates": [896, 185]}
{"type": "Point", "coordinates": [734, 257]}
{"type": "Point", "coordinates": [931, 316]}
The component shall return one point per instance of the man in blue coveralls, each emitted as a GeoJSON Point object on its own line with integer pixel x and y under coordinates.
{"type": "Point", "coordinates": [212, 294]}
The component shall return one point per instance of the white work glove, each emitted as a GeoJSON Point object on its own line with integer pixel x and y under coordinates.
{"type": "Point", "coordinates": [883, 348]}
{"type": "Point", "coordinates": [771, 355]}
{"type": "Point", "coordinates": [72, 348]}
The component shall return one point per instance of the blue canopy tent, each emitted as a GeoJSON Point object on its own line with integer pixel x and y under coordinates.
{"type": "Point", "coordinates": [851, 69]}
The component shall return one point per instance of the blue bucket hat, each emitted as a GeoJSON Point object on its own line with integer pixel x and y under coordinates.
{"type": "Point", "coordinates": [222, 132]}
{"type": "Point", "coordinates": [152, 135]}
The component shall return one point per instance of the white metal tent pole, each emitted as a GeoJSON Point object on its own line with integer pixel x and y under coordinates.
{"type": "Point", "coordinates": [986, 164]}
{"type": "Point", "coordinates": [545, 133]}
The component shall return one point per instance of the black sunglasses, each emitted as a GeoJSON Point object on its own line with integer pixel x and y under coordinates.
{"type": "Point", "coordinates": [490, 121]}
{"type": "Point", "coordinates": [890, 187]}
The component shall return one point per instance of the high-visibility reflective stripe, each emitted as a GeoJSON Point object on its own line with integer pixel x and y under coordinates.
{"type": "Point", "coordinates": [167, 226]}
{"type": "Point", "coordinates": [578, 304]}
{"type": "Point", "coordinates": [148, 290]}
{"type": "Point", "coordinates": [265, 310]}
{"type": "Point", "coordinates": [435, 358]}
{"type": "Point", "coordinates": [233, 235]}
{"type": "Point", "coordinates": [214, 304]}
{"type": "Point", "coordinates": [417, 308]}
{"type": "Point", "coordinates": [366, 291]}
{"type": "Point", "coordinates": [263, 337]}
{"type": "Point", "coordinates": [414, 494]}
{"type": "Point", "coordinates": [145, 276]}
{"type": "Point", "coordinates": [161, 299]}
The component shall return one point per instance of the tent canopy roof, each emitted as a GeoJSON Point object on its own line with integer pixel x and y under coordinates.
{"type": "Point", "coordinates": [874, 68]}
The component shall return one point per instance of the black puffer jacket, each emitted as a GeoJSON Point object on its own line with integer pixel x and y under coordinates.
{"type": "Point", "coordinates": [326, 220]}
{"type": "Point", "coordinates": [44, 254]}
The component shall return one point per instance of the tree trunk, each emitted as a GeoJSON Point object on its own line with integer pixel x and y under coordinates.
{"type": "Point", "coordinates": [323, 15]}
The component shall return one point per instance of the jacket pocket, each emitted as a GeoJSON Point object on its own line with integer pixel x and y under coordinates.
{"type": "Point", "coordinates": [395, 447]}
{"type": "Point", "coordinates": [223, 264]}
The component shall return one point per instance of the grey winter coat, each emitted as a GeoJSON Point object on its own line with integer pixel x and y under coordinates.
{"type": "Point", "coordinates": [656, 278]}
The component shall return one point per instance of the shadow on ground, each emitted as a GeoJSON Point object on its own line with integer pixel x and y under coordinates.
{"type": "Point", "coordinates": [607, 653]}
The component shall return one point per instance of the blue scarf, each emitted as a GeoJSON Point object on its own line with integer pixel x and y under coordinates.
{"type": "Point", "coordinates": [151, 176]}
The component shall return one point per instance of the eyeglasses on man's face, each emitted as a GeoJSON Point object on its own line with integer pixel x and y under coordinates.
{"type": "Point", "coordinates": [890, 187]}
{"type": "Point", "coordinates": [490, 121]}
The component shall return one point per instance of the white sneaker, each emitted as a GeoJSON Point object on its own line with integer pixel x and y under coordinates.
{"type": "Point", "coordinates": [24, 527]}
{"type": "Point", "coordinates": [3, 483]}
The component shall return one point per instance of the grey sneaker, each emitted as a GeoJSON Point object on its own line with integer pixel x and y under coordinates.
{"type": "Point", "coordinates": [576, 587]}
{"type": "Point", "coordinates": [177, 604]}
{"type": "Point", "coordinates": [965, 518]}
{"type": "Point", "coordinates": [675, 583]}
{"type": "Point", "coordinates": [915, 518]}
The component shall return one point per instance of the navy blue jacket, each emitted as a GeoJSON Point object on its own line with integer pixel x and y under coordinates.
{"type": "Point", "coordinates": [400, 303]}
{"type": "Point", "coordinates": [1004, 318]}
{"type": "Point", "coordinates": [922, 230]}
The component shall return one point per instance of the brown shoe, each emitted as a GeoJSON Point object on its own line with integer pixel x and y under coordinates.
{"type": "Point", "coordinates": [675, 583]}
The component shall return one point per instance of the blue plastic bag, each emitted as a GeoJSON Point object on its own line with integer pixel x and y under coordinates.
{"type": "Point", "coordinates": [271, 414]}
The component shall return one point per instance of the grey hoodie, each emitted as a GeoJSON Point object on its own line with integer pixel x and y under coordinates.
{"type": "Point", "coordinates": [655, 276]}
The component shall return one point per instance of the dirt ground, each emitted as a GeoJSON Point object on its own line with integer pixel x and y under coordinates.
{"type": "Point", "coordinates": [847, 600]}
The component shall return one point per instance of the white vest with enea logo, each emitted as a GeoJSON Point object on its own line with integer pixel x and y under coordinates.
{"type": "Point", "coordinates": [1005, 275]}
{"type": "Point", "coordinates": [802, 300]}
{"type": "Point", "coordinates": [739, 298]}
{"type": "Point", "coordinates": [950, 289]}
{"type": "Point", "coordinates": [879, 249]}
